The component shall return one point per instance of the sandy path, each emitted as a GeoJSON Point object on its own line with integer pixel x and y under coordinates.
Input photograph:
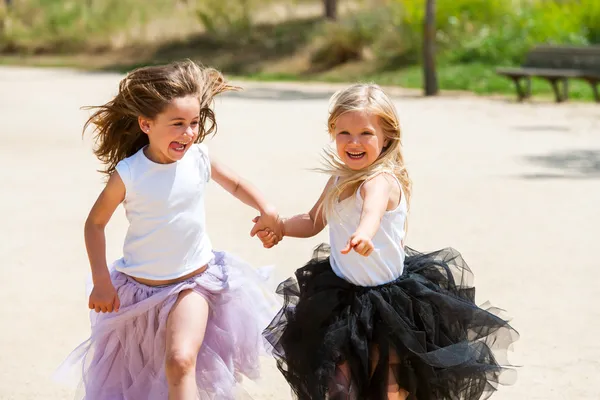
{"type": "Point", "coordinates": [514, 187]}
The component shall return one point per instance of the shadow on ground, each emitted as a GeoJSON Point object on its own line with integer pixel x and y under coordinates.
{"type": "Point", "coordinates": [265, 93]}
{"type": "Point", "coordinates": [568, 164]}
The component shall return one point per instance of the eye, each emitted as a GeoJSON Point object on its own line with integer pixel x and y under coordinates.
{"type": "Point", "coordinates": [343, 133]}
{"type": "Point", "coordinates": [367, 133]}
{"type": "Point", "coordinates": [178, 124]}
{"type": "Point", "coordinates": [195, 123]}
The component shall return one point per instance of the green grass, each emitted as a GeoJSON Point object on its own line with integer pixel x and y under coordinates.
{"type": "Point", "coordinates": [476, 78]}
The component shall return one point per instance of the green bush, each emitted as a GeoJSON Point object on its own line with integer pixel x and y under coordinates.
{"type": "Point", "coordinates": [501, 31]}
{"type": "Point", "coordinates": [226, 17]}
{"type": "Point", "coordinates": [54, 26]}
{"type": "Point", "coordinates": [534, 23]}
{"type": "Point", "coordinates": [348, 39]}
{"type": "Point", "coordinates": [591, 20]}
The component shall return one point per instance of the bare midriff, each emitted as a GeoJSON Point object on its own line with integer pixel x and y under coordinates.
{"type": "Point", "coordinates": [152, 282]}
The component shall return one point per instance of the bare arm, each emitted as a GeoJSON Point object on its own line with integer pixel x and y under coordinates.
{"type": "Point", "coordinates": [247, 194]}
{"type": "Point", "coordinates": [376, 195]}
{"type": "Point", "coordinates": [95, 240]}
{"type": "Point", "coordinates": [102, 298]}
{"type": "Point", "coordinates": [310, 224]}
{"type": "Point", "coordinates": [238, 187]}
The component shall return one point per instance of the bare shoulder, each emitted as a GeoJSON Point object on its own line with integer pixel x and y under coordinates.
{"type": "Point", "coordinates": [380, 182]}
{"type": "Point", "coordinates": [330, 181]}
{"type": "Point", "coordinates": [330, 184]}
{"type": "Point", "coordinates": [384, 184]}
{"type": "Point", "coordinates": [112, 195]}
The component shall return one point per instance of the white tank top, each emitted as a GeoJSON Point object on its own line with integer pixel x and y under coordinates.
{"type": "Point", "coordinates": [386, 262]}
{"type": "Point", "coordinates": [164, 204]}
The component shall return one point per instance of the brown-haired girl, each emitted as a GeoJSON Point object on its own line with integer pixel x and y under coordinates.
{"type": "Point", "coordinates": [172, 318]}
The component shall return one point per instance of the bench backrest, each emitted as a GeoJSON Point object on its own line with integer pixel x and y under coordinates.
{"type": "Point", "coordinates": [565, 57]}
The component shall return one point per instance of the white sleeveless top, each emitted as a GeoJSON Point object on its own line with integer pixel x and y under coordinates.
{"type": "Point", "coordinates": [164, 204]}
{"type": "Point", "coordinates": [386, 262]}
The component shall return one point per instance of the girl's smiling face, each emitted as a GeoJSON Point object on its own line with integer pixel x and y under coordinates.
{"type": "Point", "coordinates": [172, 132]}
{"type": "Point", "coordinates": [359, 139]}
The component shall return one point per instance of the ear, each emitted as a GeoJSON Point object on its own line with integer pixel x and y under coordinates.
{"type": "Point", "coordinates": [144, 124]}
{"type": "Point", "coordinates": [386, 142]}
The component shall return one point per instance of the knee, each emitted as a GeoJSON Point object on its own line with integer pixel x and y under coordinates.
{"type": "Point", "coordinates": [398, 395]}
{"type": "Point", "coordinates": [341, 384]}
{"type": "Point", "coordinates": [179, 363]}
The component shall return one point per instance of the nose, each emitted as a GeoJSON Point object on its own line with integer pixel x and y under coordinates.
{"type": "Point", "coordinates": [189, 131]}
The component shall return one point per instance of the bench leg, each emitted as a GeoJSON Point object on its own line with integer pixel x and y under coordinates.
{"type": "Point", "coordinates": [565, 89]}
{"type": "Point", "coordinates": [527, 87]}
{"type": "Point", "coordinates": [556, 88]}
{"type": "Point", "coordinates": [594, 85]}
{"type": "Point", "coordinates": [522, 93]}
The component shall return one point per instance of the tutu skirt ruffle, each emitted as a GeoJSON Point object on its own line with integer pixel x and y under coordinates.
{"type": "Point", "coordinates": [426, 324]}
{"type": "Point", "coordinates": [124, 358]}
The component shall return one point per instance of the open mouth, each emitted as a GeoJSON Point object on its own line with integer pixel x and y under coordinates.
{"type": "Point", "coordinates": [355, 155]}
{"type": "Point", "coordinates": [178, 146]}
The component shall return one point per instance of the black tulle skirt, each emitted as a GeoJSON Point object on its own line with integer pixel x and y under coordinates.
{"type": "Point", "coordinates": [424, 328]}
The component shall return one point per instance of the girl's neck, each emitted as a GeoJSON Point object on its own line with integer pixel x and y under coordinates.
{"type": "Point", "coordinates": [155, 156]}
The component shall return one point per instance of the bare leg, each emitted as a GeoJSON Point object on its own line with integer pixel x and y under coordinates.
{"type": "Point", "coordinates": [394, 391]}
{"type": "Point", "coordinates": [186, 326]}
{"type": "Point", "coordinates": [341, 387]}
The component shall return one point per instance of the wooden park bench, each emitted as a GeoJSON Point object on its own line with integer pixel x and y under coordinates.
{"type": "Point", "coordinates": [557, 64]}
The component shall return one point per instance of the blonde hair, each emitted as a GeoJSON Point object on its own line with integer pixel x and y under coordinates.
{"type": "Point", "coordinates": [372, 99]}
{"type": "Point", "coordinates": [147, 92]}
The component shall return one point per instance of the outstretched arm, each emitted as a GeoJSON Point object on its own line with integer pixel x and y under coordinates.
{"type": "Point", "coordinates": [309, 224]}
{"type": "Point", "coordinates": [376, 194]}
{"type": "Point", "coordinates": [247, 194]}
{"type": "Point", "coordinates": [300, 226]}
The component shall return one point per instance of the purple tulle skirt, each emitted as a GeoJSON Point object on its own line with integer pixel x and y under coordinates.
{"type": "Point", "coordinates": [125, 355]}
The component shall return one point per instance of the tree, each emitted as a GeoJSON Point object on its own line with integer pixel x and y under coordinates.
{"type": "Point", "coordinates": [330, 9]}
{"type": "Point", "coordinates": [429, 73]}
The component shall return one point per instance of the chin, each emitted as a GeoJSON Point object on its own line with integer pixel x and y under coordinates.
{"type": "Point", "coordinates": [354, 166]}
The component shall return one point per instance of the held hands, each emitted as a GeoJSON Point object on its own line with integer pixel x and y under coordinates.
{"type": "Point", "coordinates": [268, 227]}
{"type": "Point", "coordinates": [268, 238]}
{"type": "Point", "coordinates": [104, 298]}
{"type": "Point", "coordinates": [361, 243]}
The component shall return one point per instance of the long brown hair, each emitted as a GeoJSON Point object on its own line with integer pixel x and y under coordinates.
{"type": "Point", "coordinates": [146, 92]}
{"type": "Point", "coordinates": [370, 98]}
